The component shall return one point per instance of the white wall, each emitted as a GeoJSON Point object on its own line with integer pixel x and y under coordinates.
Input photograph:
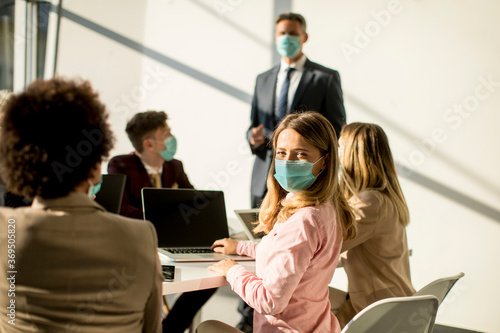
{"type": "Point", "coordinates": [200, 61]}
{"type": "Point", "coordinates": [431, 56]}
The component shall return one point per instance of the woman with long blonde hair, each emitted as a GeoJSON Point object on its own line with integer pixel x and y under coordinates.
{"type": "Point", "coordinates": [306, 218]}
{"type": "Point", "coordinates": [377, 259]}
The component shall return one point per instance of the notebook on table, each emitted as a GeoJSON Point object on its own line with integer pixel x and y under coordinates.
{"type": "Point", "coordinates": [187, 222]}
{"type": "Point", "coordinates": [111, 193]}
{"type": "Point", "coordinates": [247, 219]}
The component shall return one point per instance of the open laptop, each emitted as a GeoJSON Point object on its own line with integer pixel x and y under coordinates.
{"type": "Point", "coordinates": [111, 193]}
{"type": "Point", "coordinates": [187, 222]}
{"type": "Point", "coordinates": [247, 219]}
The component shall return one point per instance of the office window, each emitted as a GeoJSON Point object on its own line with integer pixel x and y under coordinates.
{"type": "Point", "coordinates": [24, 41]}
{"type": "Point", "coordinates": [7, 44]}
{"type": "Point", "coordinates": [42, 23]}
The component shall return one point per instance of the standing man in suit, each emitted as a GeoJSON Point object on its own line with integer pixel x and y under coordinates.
{"type": "Point", "coordinates": [152, 164]}
{"type": "Point", "coordinates": [296, 84]}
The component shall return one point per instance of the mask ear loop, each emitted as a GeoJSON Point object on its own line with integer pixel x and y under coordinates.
{"type": "Point", "coordinates": [319, 159]}
{"type": "Point", "coordinates": [321, 171]}
{"type": "Point", "coordinates": [90, 187]}
{"type": "Point", "coordinates": [324, 163]}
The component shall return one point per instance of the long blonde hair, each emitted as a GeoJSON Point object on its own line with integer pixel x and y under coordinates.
{"type": "Point", "coordinates": [367, 164]}
{"type": "Point", "coordinates": [274, 209]}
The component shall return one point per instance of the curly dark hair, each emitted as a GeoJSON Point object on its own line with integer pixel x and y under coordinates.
{"type": "Point", "coordinates": [52, 135]}
{"type": "Point", "coordinates": [144, 124]}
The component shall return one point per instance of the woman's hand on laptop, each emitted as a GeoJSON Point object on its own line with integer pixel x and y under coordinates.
{"type": "Point", "coordinates": [225, 246]}
{"type": "Point", "coordinates": [222, 267]}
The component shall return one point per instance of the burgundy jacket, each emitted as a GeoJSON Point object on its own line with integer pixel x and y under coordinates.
{"type": "Point", "coordinates": [173, 175]}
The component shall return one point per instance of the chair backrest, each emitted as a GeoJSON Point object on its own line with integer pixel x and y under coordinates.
{"type": "Point", "coordinates": [440, 287]}
{"type": "Point", "coordinates": [413, 314]}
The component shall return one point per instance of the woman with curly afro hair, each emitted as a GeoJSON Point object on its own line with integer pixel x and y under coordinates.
{"type": "Point", "coordinates": [69, 266]}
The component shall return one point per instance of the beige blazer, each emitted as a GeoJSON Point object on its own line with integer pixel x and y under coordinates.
{"type": "Point", "coordinates": [78, 268]}
{"type": "Point", "coordinates": [377, 260]}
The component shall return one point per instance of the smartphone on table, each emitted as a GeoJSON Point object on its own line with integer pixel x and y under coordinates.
{"type": "Point", "coordinates": [168, 272]}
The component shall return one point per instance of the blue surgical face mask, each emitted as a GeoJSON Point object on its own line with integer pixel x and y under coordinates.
{"type": "Point", "coordinates": [288, 46]}
{"type": "Point", "coordinates": [170, 150]}
{"type": "Point", "coordinates": [294, 176]}
{"type": "Point", "coordinates": [94, 189]}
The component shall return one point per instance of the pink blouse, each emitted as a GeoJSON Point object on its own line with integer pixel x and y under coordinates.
{"type": "Point", "coordinates": [294, 265]}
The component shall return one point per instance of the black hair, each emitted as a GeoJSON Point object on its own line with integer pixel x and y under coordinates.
{"type": "Point", "coordinates": [52, 135]}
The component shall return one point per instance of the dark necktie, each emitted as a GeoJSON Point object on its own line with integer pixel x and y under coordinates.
{"type": "Point", "coordinates": [281, 106]}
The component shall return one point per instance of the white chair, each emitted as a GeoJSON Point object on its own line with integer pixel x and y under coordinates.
{"type": "Point", "coordinates": [215, 326]}
{"type": "Point", "coordinates": [414, 314]}
{"type": "Point", "coordinates": [440, 287]}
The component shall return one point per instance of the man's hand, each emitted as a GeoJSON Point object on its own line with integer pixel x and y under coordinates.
{"type": "Point", "coordinates": [222, 266]}
{"type": "Point", "coordinates": [257, 138]}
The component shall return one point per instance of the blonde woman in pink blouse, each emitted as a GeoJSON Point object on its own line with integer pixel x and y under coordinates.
{"type": "Point", "coordinates": [305, 217]}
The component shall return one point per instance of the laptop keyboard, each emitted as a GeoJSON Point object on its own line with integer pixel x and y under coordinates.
{"type": "Point", "coordinates": [189, 250]}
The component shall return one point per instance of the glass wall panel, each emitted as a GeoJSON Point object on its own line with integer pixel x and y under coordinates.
{"type": "Point", "coordinates": [30, 43]}
{"type": "Point", "coordinates": [7, 44]}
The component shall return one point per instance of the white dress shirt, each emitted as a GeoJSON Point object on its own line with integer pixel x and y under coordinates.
{"type": "Point", "coordinates": [294, 78]}
{"type": "Point", "coordinates": [151, 171]}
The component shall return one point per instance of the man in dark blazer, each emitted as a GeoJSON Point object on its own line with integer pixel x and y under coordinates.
{"type": "Point", "coordinates": [148, 132]}
{"type": "Point", "coordinates": [311, 87]}
{"type": "Point", "coordinates": [131, 165]}
{"type": "Point", "coordinates": [152, 165]}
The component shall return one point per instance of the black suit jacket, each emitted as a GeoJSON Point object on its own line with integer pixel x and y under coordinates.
{"type": "Point", "coordinates": [319, 90]}
{"type": "Point", "coordinates": [173, 175]}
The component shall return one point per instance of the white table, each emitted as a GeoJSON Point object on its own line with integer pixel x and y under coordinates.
{"type": "Point", "coordinates": [190, 276]}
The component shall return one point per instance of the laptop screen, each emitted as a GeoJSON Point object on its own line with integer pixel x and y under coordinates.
{"type": "Point", "coordinates": [185, 217]}
{"type": "Point", "coordinates": [248, 219]}
{"type": "Point", "coordinates": [111, 193]}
